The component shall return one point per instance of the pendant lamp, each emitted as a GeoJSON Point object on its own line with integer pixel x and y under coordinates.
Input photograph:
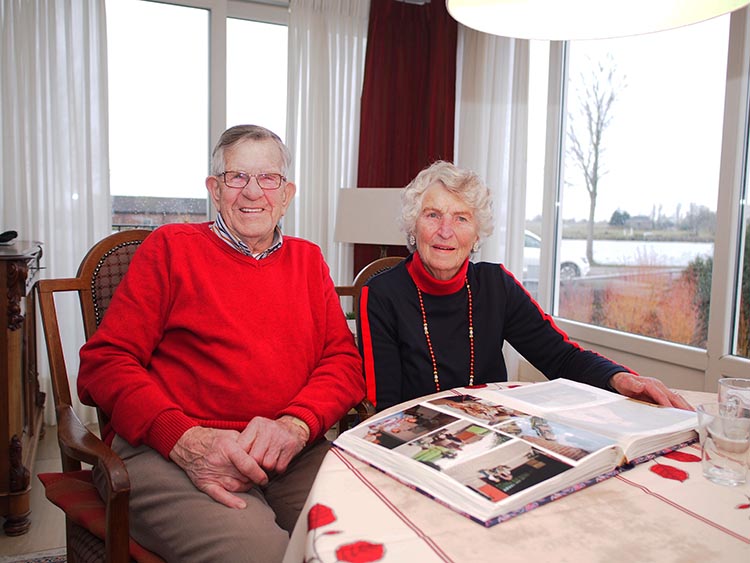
{"type": "Point", "coordinates": [561, 20]}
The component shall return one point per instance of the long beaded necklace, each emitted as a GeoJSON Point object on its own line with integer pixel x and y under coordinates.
{"type": "Point", "coordinates": [429, 341]}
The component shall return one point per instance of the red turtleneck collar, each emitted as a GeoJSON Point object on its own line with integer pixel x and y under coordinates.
{"type": "Point", "coordinates": [427, 283]}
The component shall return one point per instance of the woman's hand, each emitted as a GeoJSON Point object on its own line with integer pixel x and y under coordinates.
{"type": "Point", "coordinates": [647, 389]}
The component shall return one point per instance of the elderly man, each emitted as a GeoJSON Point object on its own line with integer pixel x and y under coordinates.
{"type": "Point", "coordinates": [223, 359]}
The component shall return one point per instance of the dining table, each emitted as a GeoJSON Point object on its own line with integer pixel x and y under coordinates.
{"type": "Point", "coordinates": [357, 513]}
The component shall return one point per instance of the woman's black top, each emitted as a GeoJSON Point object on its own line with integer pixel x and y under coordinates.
{"type": "Point", "coordinates": [392, 340]}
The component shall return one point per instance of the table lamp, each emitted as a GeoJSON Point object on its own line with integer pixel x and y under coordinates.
{"type": "Point", "coordinates": [369, 216]}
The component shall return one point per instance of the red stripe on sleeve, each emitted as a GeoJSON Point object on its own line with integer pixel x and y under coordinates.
{"type": "Point", "coordinates": [366, 340]}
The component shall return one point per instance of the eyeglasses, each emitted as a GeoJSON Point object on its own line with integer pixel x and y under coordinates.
{"type": "Point", "coordinates": [266, 180]}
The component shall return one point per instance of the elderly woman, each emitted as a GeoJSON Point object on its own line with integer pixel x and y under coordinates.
{"type": "Point", "coordinates": [437, 321]}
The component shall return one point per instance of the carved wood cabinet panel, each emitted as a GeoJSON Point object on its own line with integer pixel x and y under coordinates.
{"type": "Point", "coordinates": [21, 401]}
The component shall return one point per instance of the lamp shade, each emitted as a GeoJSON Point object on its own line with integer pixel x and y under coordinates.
{"type": "Point", "coordinates": [562, 20]}
{"type": "Point", "coordinates": [369, 216]}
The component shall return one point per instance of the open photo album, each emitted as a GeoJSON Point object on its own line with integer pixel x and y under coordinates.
{"type": "Point", "coordinates": [492, 454]}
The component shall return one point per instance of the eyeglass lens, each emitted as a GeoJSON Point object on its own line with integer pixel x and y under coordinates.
{"type": "Point", "coordinates": [267, 181]}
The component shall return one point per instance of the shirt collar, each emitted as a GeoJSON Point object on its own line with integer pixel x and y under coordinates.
{"type": "Point", "coordinates": [220, 228]}
{"type": "Point", "coordinates": [426, 282]}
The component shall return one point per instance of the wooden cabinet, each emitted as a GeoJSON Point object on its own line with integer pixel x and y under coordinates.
{"type": "Point", "coordinates": [21, 402]}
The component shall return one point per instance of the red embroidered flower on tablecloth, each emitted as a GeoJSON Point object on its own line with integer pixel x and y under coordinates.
{"type": "Point", "coordinates": [360, 552]}
{"type": "Point", "coordinates": [319, 515]}
{"type": "Point", "coordinates": [669, 472]}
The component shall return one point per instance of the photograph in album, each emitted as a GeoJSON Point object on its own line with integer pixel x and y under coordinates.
{"type": "Point", "coordinates": [493, 453]}
{"type": "Point", "coordinates": [405, 426]}
{"type": "Point", "coordinates": [512, 468]}
{"type": "Point", "coordinates": [453, 444]}
{"type": "Point", "coordinates": [565, 441]}
{"type": "Point", "coordinates": [474, 407]}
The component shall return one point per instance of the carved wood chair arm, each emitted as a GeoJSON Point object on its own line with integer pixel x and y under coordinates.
{"type": "Point", "coordinates": [80, 444]}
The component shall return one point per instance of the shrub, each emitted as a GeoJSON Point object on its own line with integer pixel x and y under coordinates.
{"type": "Point", "coordinates": [652, 303]}
{"type": "Point", "coordinates": [679, 314]}
{"type": "Point", "coordinates": [577, 303]}
{"type": "Point", "coordinates": [698, 273]}
{"type": "Point", "coordinates": [632, 306]}
{"type": "Point", "coordinates": [743, 329]}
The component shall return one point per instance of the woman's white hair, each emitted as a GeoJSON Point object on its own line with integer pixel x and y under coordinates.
{"type": "Point", "coordinates": [464, 183]}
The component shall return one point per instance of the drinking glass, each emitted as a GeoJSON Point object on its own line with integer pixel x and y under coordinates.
{"type": "Point", "coordinates": [725, 443]}
{"type": "Point", "coordinates": [734, 392]}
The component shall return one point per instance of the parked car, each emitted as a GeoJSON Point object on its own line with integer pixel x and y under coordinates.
{"type": "Point", "coordinates": [571, 264]}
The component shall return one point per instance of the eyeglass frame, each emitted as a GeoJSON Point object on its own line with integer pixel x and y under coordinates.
{"type": "Point", "coordinates": [281, 177]}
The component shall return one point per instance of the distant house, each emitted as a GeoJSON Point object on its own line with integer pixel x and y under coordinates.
{"type": "Point", "coordinates": [150, 212]}
{"type": "Point", "coordinates": [640, 223]}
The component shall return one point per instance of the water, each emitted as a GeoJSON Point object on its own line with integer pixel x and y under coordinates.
{"type": "Point", "coordinates": [723, 458]}
{"type": "Point", "coordinates": [653, 253]}
{"type": "Point", "coordinates": [725, 441]}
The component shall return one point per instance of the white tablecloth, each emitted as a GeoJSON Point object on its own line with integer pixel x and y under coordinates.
{"type": "Point", "coordinates": [357, 513]}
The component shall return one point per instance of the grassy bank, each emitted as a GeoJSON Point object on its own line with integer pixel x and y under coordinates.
{"type": "Point", "coordinates": [605, 231]}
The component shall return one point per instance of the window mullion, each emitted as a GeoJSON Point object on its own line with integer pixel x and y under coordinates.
{"type": "Point", "coordinates": [724, 288]}
{"type": "Point", "coordinates": [547, 294]}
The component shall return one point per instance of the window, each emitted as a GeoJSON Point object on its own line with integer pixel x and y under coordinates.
{"type": "Point", "coordinates": [640, 180]}
{"type": "Point", "coordinates": [673, 185]}
{"type": "Point", "coordinates": [158, 112]}
{"type": "Point", "coordinates": [256, 85]}
{"type": "Point", "coordinates": [169, 98]}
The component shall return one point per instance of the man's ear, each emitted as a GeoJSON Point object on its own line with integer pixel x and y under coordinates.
{"type": "Point", "coordinates": [286, 197]}
{"type": "Point", "coordinates": [214, 188]}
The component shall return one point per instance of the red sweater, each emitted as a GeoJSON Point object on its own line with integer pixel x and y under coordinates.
{"type": "Point", "coordinates": [198, 334]}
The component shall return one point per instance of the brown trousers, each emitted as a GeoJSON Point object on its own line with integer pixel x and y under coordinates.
{"type": "Point", "coordinates": [169, 516]}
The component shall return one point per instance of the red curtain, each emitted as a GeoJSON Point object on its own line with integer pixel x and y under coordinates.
{"type": "Point", "coordinates": [408, 98]}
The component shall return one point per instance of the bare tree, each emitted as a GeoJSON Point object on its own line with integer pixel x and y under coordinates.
{"type": "Point", "coordinates": [596, 94]}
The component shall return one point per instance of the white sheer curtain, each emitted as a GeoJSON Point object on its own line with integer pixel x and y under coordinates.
{"type": "Point", "coordinates": [54, 155]}
{"type": "Point", "coordinates": [491, 132]}
{"type": "Point", "coordinates": [491, 137]}
{"type": "Point", "coordinates": [327, 43]}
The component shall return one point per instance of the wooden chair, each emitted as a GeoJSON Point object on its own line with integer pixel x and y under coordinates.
{"type": "Point", "coordinates": [364, 275]}
{"type": "Point", "coordinates": [365, 409]}
{"type": "Point", "coordinates": [96, 529]}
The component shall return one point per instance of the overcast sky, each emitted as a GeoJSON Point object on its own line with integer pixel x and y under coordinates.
{"type": "Point", "coordinates": [664, 142]}
{"type": "Point", "coordinates": [159, 83]}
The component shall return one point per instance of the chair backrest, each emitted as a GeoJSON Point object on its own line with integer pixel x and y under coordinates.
{"type": "Point", "coordinates": [100, 272]}
{"type": "Point", "coordinates": [364, 275]}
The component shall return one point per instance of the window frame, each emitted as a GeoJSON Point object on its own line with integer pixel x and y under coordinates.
{"type": "Point", "coordinates": [266, 11]}
{"type": "Point", "coordinates": [717, 360]}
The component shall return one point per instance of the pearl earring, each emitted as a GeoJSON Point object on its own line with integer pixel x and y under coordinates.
{"type": "Point", "coordinates": [475, 247]}
{"type": "Point", "coordinates": [412, 240]}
